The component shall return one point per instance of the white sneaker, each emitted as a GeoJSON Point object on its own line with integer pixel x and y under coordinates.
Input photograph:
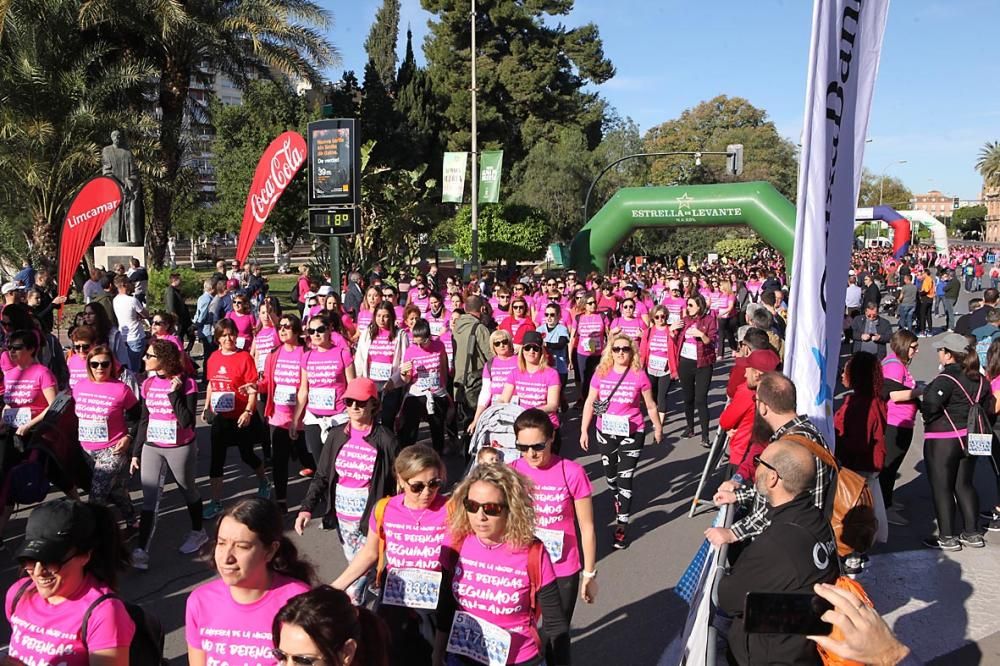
{"type": "Point", "coordinates": [195, 540]}
{"type": "Point", "coordinates": [140, 559]}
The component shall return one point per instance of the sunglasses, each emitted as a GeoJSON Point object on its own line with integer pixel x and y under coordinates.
{"type": "Point", "coordinates": [501, 343]}
{"type": "Point", "coordinates": [81, 347]}
{"type": "Point", "coordinates": [297, 659]}
{"type": "Point", "coordinates": [353, 402]}
{"type": "Point", "coordinates": [758, 461]}
{"type": "Point", "coordinates": [418, 487]}
{"type": "Point", "coordinates": [319, 330]}
{"type": "Point", "coordinates": [531, 348]}
{"type": "Point", "coordinates": [659, 316]}
{"type": "Point", "coordinates": [104, 365]}
{"type": "Point", "coordinates": [387, 295]}
{"type": "Point", "coordinates": [52, 568]}
{"type": "Point", "coordinates": [524, 448]}
{"type": "Point", "coordinates": [491, 509]}
{"type": "Point", "coordinates": [591, 302]}
{"type": "Point", "coordinates": [550, 314]}
{"type": "Point", "coordinates": [239, 302]}
{"type": "Point", "coordinates": [284, 327]}
{"type": "Point", "coordinates": [15, 347]}
{"type": "Point", "coordinates": [517, 307]}
{"type": "Point", "coordinates": [628, 307]}
{"type": "Point", "coordinates": [621, 350]}
{"type": "Point", "coordinates": [157, 322]}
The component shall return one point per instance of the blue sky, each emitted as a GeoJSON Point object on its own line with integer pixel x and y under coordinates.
{"type": "Point", "coordinates": [936, 100]}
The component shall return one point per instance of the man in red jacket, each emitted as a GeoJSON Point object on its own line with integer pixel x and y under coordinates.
{"type": "Point", "coordinates": [753, 339]}
{"type": "Point", "coordinates": [737, 418]}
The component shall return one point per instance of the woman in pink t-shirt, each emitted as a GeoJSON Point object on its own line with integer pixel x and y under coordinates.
{"type": "Point", "coordinates": [425, 372]}
{"type": "Point", "coordinates": [622, 387]}
{"type": "Point", "coordinates": [495, 373]}
{"type": "Point", "coordinates": [519, 322]}
{"type": "Point", "coordinates": [590, 331]}
{"type": "Point", "coordinates": [656, 356]}
{"type": "Point", "coordinates": [534, 383]}
{"type": "Point", "coordinates": [902, 396]}
{"type": "Point", "coordinates": [83, 338]}
{"type": "Point", "coordinates": [71, 554]}
{"type": "Point", "coordinates": [373, 296]}
{"type": "Point", "coordinates": [439, 319]}
{"type": "Point", "coordinates": [496, 561]}
{"type": "Point", "coordinates": [561, 493]}
{"type": "Point", "coordinates": [107, 416]}
{"type": "Point", "coordinates": [326, 370]}
{"type": "Point", "coordinates": [408, 530]}
{"type": "Point", "coordinates": [379, 354]}
{"type": "Point", "coordinates": [245, 320]}
{"type": "Point", "coordinates": [163, 326]}
{"type": "Point", "coordinates": [266, 339]}
{"type": "Point", "coordinates": [628, 323]}
{"type": "Point", "coordinates": [259, 571]}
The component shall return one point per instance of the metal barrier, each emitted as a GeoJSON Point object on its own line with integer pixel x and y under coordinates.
{"type": "Point", "coordinates": [716, 457]}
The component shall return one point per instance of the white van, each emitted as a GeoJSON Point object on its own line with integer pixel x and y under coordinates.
{"type": "Point", "coordinates": [881, 242]}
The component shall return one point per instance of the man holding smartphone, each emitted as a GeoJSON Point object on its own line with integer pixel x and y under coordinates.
{"type": "Point", "coordinates": [796, 551]}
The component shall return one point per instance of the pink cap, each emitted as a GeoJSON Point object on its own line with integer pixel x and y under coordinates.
{"type": "Point", "coordinates": [361, 388]}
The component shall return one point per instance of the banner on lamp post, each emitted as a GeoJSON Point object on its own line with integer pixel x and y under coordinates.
{"type": "Point", "coordinates": [92, 207]}
{"type": "Point", "coordinates": [490, 166]}
{"type": "Point", "coordinates": [275, 170]}
{"type": "Point", "coordinates": [843, 64]}
{"type": "Point", "coordinates": [453, 189]}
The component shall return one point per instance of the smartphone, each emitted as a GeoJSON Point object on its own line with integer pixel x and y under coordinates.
{"type": "Point", "coordinates": [785, 613]}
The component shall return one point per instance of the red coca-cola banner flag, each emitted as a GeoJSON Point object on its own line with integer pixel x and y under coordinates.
{"type": "Point", "coordinates": [275, 170]}
{"type": "Point", "coordinates": [92, 207]}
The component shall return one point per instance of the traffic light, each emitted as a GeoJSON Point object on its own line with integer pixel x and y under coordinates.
{"type": "Point", "coordinates": [954, 203]}
{"type": "Point", "coordinates": [734, 159]}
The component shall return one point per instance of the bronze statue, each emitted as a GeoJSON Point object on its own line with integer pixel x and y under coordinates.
{"type": "Point", "coordinates": [127, 225]}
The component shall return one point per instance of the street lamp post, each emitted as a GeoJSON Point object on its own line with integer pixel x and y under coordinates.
{"type": "Point", "coordinates": [885, 171]}
{"type": "Point", "coordinates": [475, 151]}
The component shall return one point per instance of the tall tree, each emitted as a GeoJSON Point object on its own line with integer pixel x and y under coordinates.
{"type": "Point", "coordinates": [241, 39]}
{"type": "Point", "coordinates": [419, 115]}
{"type": "Point", "coordinates": [379, 120]}
{"type": "Point", "coordinates": [381, 43]}
{"type": "Point", "coordinates": [888, 190]}
{"type": "Point", "coordinates": [532, 73]}
{"type": "Point", "coordinates": [988, 163]}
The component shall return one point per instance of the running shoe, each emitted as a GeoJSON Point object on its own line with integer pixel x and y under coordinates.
{"type": "Point", "coordinates": [688, 432]}
{"type": "Point", "coordinates": [306, 472]}
{"type": "Point", "coordinates": [972, 540]}
{"type": "Point", "coordinates": [211, 510]}
{"type": "Point", "coordinates": [140, 560]}
{"type": "Point", "coordinates": [264, 489]}
{"type": "Point", "coordinates": [947, 543]}
{"type": "Point", "coordinates": [620, 538]}
{"type": "Point", "coordinates": [194, 541]}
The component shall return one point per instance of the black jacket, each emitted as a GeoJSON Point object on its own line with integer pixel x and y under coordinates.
{"type": "Point", "coordinates": [942, 399]}
{"type": "Point", "coordinates": [324, 481]}
{"type": "Point", "coordinates": [795, 552]}
{"type": "Point", "coordinates": [882, 327]}
{"type": "Point", "coordinates": [871, 295]}
{"type": "Point", "coordinates": [173, 302]}
{"type": "Point", "coordinates": [966, 324]}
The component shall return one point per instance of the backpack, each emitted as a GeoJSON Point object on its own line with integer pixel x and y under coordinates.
{"type": "Point", "coordinates": [147, 643]}
{"type": "Point", "coordinates": [294, 293]}
{"type": "Point", "coordinates": [978, 422]}
{"type": "Point", "coordinates": [983, 346]}
{"type": "Point", "coordinates": [853, 520]}
{"type": "Point", "coordinates": [28, 481]}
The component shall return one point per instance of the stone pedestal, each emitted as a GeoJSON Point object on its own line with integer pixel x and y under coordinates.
{"type": "Point", "coordinates": [107, 256]}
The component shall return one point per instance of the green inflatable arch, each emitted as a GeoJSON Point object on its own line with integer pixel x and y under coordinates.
{"type": "Point", "coordinates": [756, 204]}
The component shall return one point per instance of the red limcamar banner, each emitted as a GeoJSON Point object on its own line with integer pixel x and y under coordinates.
{"type": "Point", "coordinates": [275, 170]}
{"type": "Point", "coordinates": [92, 207]}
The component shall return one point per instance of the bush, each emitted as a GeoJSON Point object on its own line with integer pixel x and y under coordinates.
{"type": "Point", "coordinates": [506, 231]}
{"type": "Point", "coordinates": [159, 279]}
{"type": "Point", "coordinates": [739, 248]}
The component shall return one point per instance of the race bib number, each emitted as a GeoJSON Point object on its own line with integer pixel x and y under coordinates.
{"type": "Point", "coordinates": [673, 318]}
{"type": "Point", "coordinates": [412, 588]}
{"type": "Point", "coordinates": [615, 424]}
{"type": "Point", "coordinates": [437, 327]}
{"type": "Point", "coordinates": [980, 445]}
{"type": "Point", "coordinates": [241, 343]}
{"type": "Point", "coordinates": [380, 372]}
{"type": "Point", "coordinates": [552, 540]}
{"type": "Point", "coordinates": [350, 502]}
{"type": "Point", "coordinates": [430, 381]}
{"type": "Point", "coordinates": [590, 345]}
{"type": "Point", "coordinates": [322, 398]}
{"type": "Point", "coordinates": [16, 417]}
{"type": "Point", "coordinates": [479, 640]}
{"type": "Point", "coordinates": [285, 395]}
{"type": "Point", "coordinates": [162, 431]}
{"type": "Point", "coordinates": [93, 430]}
{"type": "Point", "coordinates": [261, 361]}
{"type": "Point", "coordinates": [689, 350]}
{"type": "Point", "coordinates": [657, 363]}
{"type": "Point", "coordinates": [223, 402]}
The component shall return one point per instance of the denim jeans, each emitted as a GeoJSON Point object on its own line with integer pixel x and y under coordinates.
{"type": "Point", "coordinates": [136, 348]}
{"type": "Point", "coordinates": [906, 317]}
{"type": "Point", "coordinates": [949, 313]}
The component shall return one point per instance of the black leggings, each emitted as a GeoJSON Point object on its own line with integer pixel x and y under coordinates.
{"type": "Point", "coordinates": [727, 333]}
{"type": "Point", "coordinates": [283, 448]}
{"type": "Point", "coordinates": [661, 387]}
{"type": "Point", "coordinates": [583, 369]}
{"type": "Point", "coordinates": [950, 471]}
{"type": "Point", "coordinates": [695, 382]}
{"type": "Point", "coordinates": [414, 411]}
{"type": "Point", "coordinates": [569, 591]}
{"type": "Point", "coordinates": [225, 433]}
{"type": "Point", "coordinates": [897, 443]}
{"type": "Point", "coordinates": [620, 455]}
{"type": "Point", "coordinates": [314, 441]}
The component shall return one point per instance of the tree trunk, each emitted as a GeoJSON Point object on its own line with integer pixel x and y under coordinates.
{"type": "Point", "coordinates": [45, 241]}
{"type": "Point", "coordinates": [174, 83]}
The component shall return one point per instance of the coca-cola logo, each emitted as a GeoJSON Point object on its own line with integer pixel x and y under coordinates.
{"type": "Point", "coordinates": [277, 173]}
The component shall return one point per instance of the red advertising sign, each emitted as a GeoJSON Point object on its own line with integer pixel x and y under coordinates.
{"type": "Point", "coordinates": [92, 207]}
{"type": "Point", "coordinates": [275, 170]}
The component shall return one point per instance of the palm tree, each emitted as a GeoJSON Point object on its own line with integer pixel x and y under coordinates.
{"type": "Point", "coordinates": [989, 164]}
{"type": "Point", "coordinates": [57, 81]}
{"type": "Point", "coordinates": [241, 39]}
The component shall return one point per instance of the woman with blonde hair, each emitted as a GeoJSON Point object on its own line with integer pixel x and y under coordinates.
{"type": "Point", "coordinates": [496, 563]}
{"type": "Point", "coordinates": [495, 372]}
{"type": "Point", "coordinates": [616, 391]}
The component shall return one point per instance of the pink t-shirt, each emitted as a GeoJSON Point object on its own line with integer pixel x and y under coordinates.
{"type": "Point", "coordinates": [900, 414]}
{"type": "Point", "coordinates": [590, 333]}
{"type": "Point", "coordinates": [244, 329]}
{"type": "Point", "coordinates": [42, 633]}
{"type": "Point", "coordinates": [23, 387]}
{"type": "Point", "coordinates": [498, 314]}
{"type": "Point", "coordinates": [100, 408]}
{"type": "Point", "coordinates": [364, 318]}
{"type": "Point", "coordinates": [659, 351]}
{"type": "Point", "coordinates": [284, 383]}
{"type": "Point", "coordinates": [264, 342]}
{"type": "Point", "coordinates": [380, 356]}
{"type": "Point", "coordinates": [77, 365]}
{"type": "Point", "coordinates": [626, 400]}
{"type": "Point", "coordinates": [422, 303]}
{"type": "Point", "coordinates": [413, 538]}
{"type": "Point", "coordinates": [634, 328]}
{"type": "Point", "coordinates": [497, 370]}
{"type": "Point", "coordinates": [327, 379]}
{"type": "Point", "coordinates": [355, 464]}
{"type": "Point", "coordinates": [439, 325]}
{"type": "Point", "coordinates": [163, 429]}
{"type": "Point", "coordinates": [675, 307]}
{"type": "Point", "coordinates": [430, 372]}
{"type": "Point", "coordinates": [493, 585]}
{"type": "Point", "coordinates": [555, 490]}
{"type": "Point", "coordinates": [532, 389]}
{"type": "Point", "coordinates": [233, 633]}
{"type": "Point", "coordinates": [173, 339]}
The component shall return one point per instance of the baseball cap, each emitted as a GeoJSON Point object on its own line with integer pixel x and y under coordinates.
{"type": "Point", "coordinates": [532, 338]}
{"type": "Point", "coordinates": [233, 283]}
{"type": "Point", "coordinates": [11, 286]}
{"type": "Point", "coordinates": [631, 287]}
{"type": "Point", "coordinates": [763, 360]}
{"type": "Point", "coordinates": [361, 388]}
{"type": "Point", "coordinates": [325, 290]}
{"type": "Point", "coordinates": [952, 342]}
{"type": "Point", "coordinates": [56, 528]}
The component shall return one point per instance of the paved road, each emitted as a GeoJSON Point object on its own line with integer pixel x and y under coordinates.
{"type": "Point", "coordinates": [941, 604]}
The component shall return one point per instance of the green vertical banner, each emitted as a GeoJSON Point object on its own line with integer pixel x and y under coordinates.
{"type": "Point", "coordinates": [490, 165]}
{"type": "Point", "coordinates": [453, 175]}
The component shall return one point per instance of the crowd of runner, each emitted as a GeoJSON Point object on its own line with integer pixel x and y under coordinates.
{"type": "Point", "coordinates": [334, 384]}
